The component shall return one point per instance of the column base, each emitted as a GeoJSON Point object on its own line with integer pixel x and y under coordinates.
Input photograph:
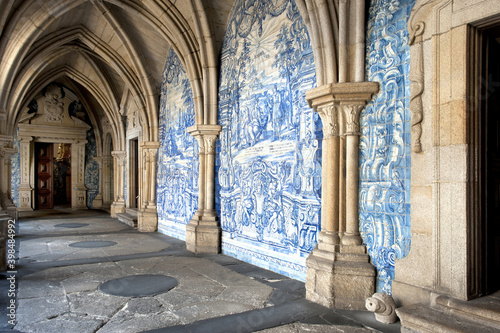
{"type": "Point", "coordinates": [116, 208]}
{"type": "Point", "coordinates": [79, 198]}
{"type": "Point", "coordinates": [203, 234]}
{"type": "Point", "coordinates": [97, 202]}
{"type": "Point", "coordinates": [147, 220]}
{"type": "Point", "coordinates": [342, 279]}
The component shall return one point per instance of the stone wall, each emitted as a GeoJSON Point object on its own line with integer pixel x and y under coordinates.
{"type": "Point", "coordinates": [385, 146]}
{"type": "Point", "coordinates": [268, 157]}
{"type": "Point", "coordinates": [177, 166]}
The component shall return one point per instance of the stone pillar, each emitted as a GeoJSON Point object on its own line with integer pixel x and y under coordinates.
{"type": "Point", "coordinates": [118, 205]}
{"type": "Point", "coordinates": [339, 274]}
{"type": "Point", "coordinates": [97, 203]}
{"type": "Point", "coordinates": [351, 111]}
{"type": "Point", "coordinates": [107, 164]}
{"type": "Point", "coordinates": [27, 186]}
{"type": "Point", "coordinates": [147, 217]}
{"type": "Point", "coordinates": [78, 189]}
{"type": "Point", "coordinates": [203, 233]}
{"type": "Point", "coordinates": [6, 175]}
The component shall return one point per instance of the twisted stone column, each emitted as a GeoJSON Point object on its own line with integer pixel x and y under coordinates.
{"type": "Point", "coordinates": [203, 231]}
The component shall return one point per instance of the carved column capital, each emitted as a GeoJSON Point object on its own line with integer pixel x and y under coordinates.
{"type": "Point", "coordinates": [351, 115]}
{"type": "Point", "coordinates": [329, 117]}
{"type": "Point", "coordinates": [120, 156]}
{"type": "Point", "coordinates": [206, 135]}
{"type": "Point", "coordinates": [210, 141]}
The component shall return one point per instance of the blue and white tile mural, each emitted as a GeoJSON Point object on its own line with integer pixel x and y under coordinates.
{"type": "Point", "coordinates": [91, 168]}
{"type": "Point", "coordinates": [77, 110]}
{"type": "Point", "coordinates": [268, 155]}
{"type": "Point", "coordinates": [16, 171]}
{"type": "Point", "coordinates": [385, 141]}
{"type": "Point", "coordinates": [177, 169]}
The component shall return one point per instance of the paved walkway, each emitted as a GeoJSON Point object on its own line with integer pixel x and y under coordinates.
{"type": "Point", "coordinates": [58, 279]}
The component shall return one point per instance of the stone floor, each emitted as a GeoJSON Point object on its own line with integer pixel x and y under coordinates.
{"type": "Point", "coordinates": [58, 280]}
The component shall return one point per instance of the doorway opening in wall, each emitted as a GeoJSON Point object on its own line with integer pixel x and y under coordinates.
{"type": "Point", "coordinates": [44, 192]}
{"type": "Point", "coordinates": [134, 170]}
{"type": "Point", "coordinates": [53, 175]}
{"type": "Point", "coordinates": [489, 180]}
{"type": "Point", "coordinates": [62, 175]}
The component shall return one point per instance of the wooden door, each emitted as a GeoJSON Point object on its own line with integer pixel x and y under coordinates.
{"type": "Point", "coordinates": [44, 175]}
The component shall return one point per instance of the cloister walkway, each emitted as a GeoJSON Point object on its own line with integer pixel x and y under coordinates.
{"type": "Point", "coordinates": [83, 271]}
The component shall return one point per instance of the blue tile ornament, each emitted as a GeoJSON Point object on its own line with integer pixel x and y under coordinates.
{"type": "Point", "coordinates": [177, 163]}
{"type": "Point", "coordinates": [385, 142]}
{"type": "Point", "coordinates": [268, 165]}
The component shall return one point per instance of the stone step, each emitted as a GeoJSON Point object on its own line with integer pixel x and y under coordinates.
{"type": "Point", "coordinates": [132, 211]}
{"type": "Point", "coordinates": [425, 318]}
{"type": "Point", "coordinates": [484, 310]}
{"type": "Point", "coordinates": [128, 219]}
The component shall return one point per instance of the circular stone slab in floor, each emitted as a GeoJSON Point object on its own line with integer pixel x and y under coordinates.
{"type": "Point", "coordinates": [138, 285]}
{"type": "Point", "coordinates": [92, 244]}
{"type": "Point", "coordinates": [71, 225]}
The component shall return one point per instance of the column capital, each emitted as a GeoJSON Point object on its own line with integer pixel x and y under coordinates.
{"type": "Point", "coordinates": [329, 117]}
{"type": "Point", "coordinates": [150, 145]}
{"type": "Point", "coordinates": [120, 156]}
{"type": "Point", "coordinates": [346, 92]}
{"type": "Point", "coordinates": [197, 130]}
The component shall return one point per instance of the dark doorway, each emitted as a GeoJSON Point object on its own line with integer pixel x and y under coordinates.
{"type": "Point", "coordinates": [490, 161]}
{"type": "Point", "coordinates": [62, 175]}
{"type": "Point", "coordinates": [134, 170]}
{"type": "Point", "coordinates": [43, 175]}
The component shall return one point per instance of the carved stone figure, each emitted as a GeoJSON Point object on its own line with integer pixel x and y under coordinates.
{"type": "Point", "coordinates": [53, 103]}
{"type": "Point", "coordinates": [384, 307]}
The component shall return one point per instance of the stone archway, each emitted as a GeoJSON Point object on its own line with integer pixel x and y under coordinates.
{"type": "Point", "coordinates": [52, 123]}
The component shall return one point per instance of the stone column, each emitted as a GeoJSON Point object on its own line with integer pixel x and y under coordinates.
{"type": "Point", "coordinates": [329, 235]}
{"type": "Point", "coordinates": [118, 205]}
{"type": "Point", "coordinates": [107, 163]}
{"type": "Point", "coordinates": [26, 187]}
{"type": "Point", "coordinates": [351, 111]}
{"type": "Point", "coordinates": [6, 175]}
{"type": "Point", "coordinates": [203, 231]}
{"type": "Point", "coordinates": [147, 216]}
{"type": "Point", "coordinates": [97, 203]}
{"type": "Point", "coordinates": [78, 189]}
{"type": "Point", "coordinates": [339, 274]}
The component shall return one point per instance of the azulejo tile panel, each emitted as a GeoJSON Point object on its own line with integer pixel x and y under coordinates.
{"type": "Point", "coordinates": [177, 169]}
{"type": "Point", "coordinates": [15, 181]}
{"type": "Point", "coordinates": [268, 156]}
{"type": "Point", "coordinates": [91, 168]}
{"type": "Point", "coordinates": [385, 141]}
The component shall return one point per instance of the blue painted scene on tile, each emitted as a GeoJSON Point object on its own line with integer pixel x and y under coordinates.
{"type": "Point", "coordinates": [15, 181]}
{"type": "Point", "coordinates": [177, 168]}
{"type": "Point", "coordinates": [385, 141]}
{"type": "Point", "coordinates": [268, 154]}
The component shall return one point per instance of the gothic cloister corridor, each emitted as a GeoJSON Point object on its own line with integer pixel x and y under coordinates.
{"type": "Point", "coordinates": [58, 284]}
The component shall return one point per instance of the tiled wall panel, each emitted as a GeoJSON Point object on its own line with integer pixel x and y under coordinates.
{"type": "Point", "coordinates": [385, 141]}
{"type": "Point", "coordinates": [177, 170]}
{"type": "Point", "coordinates": [268, 165]}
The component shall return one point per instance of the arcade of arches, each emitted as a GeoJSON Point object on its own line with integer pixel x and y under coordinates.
{"type": "Point", "coordinates": [349, 144]}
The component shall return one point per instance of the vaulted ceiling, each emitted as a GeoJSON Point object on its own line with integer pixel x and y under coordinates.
{"type": "Point", "coordinates": [106, 51]}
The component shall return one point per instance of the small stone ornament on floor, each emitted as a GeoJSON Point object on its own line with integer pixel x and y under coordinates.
{"type": "Point", "coordinates": [384, 307]}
